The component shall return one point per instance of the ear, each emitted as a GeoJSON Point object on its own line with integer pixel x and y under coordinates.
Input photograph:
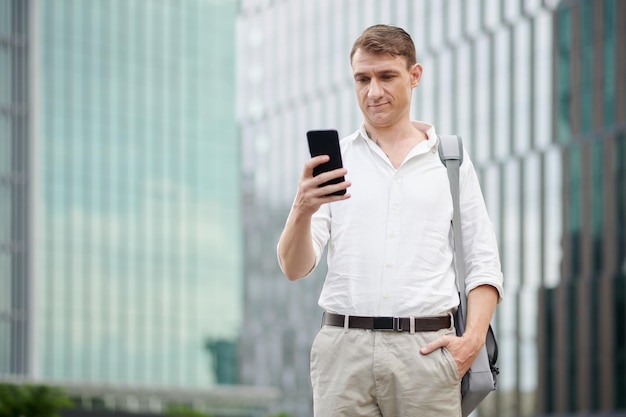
{"type": "Point", "coordinates": [415, 73]}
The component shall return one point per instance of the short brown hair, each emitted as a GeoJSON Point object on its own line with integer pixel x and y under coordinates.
{"type": "Point", "coordinates": [386, 39]}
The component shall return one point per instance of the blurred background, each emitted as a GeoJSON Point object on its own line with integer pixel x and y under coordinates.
{"type": "Point", "coordinates": [150, 151]}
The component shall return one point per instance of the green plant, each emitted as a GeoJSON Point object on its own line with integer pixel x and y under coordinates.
{"type": "Point", "coordinates": [32, 400]}
{"type": "Point", "coordinates": [184, 411]}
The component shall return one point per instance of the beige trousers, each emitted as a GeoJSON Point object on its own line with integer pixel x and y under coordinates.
{"type": "Point", "coordinates": [369, 373]}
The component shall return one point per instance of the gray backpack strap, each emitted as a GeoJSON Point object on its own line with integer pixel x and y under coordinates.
{"type": "Point", "coordinates": [451, 154]}
{"type": "Point", "coordinates": [450, 147]}
{"type": "Point", "coordinates": [482, 377]}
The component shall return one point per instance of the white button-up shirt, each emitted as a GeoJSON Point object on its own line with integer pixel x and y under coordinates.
{"type": "Point", "coordinates": [390, 246]}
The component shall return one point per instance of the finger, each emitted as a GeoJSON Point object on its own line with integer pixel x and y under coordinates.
{"type": "Point", "coordinates": [310, 195]}
{"type": "Point", "coordinates": [330, 175]}
{"type": "Point", "coordinates": [321, 187]}
{"type": "Point", "coordinates": [312, 163]}
{"type": "Point", "coordinates": [329, 190]}
{"type": "Point", "coordinates": [434, 345]}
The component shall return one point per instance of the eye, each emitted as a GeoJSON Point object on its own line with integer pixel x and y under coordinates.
{"type": "Point", "coordinates": [362, 79]}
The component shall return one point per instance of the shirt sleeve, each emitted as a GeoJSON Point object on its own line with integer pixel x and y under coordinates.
{"type": "Point", "coordinates": [482, 258]}
{"type": "Point", "coordinates": [320, 233]}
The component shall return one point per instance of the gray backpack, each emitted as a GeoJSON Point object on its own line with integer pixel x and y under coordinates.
{"type": "Point", "coordinates": [482, 376]}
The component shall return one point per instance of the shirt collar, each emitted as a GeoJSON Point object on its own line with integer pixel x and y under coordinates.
{"type": "Point", "coordinates": [427, 128]}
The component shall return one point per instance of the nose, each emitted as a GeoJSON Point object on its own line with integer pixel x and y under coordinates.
{"type": "Point", "coordinates": [375, 90]}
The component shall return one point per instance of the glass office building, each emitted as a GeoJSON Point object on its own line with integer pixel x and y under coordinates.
{"type": "Point", "coordinates": [118, 124]}
{"type": "Point", "coordinates": [15, 179]}
{"type": "Point", "coordinates": [536, 89]}
{"type": "Point", "coordinates": [582, 337]}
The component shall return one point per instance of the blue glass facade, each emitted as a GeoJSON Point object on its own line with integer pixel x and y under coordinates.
{"type": "Point", "coordinates": [138, 249]}
{"type": "Point", "coordinates": [137, 243]}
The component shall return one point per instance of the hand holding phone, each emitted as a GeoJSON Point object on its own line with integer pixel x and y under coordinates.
{"type": "Point", "coordinates": [326, 142]}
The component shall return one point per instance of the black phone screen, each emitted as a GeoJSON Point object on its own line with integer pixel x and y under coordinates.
{"type": "Point", "coordinates": [326, 142]}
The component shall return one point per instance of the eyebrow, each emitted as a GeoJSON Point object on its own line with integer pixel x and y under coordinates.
{"type": "Point", "coordinates": [381, 72]}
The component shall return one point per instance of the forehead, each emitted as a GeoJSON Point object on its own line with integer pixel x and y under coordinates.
{"type": "Point", "coordinates": [364, 62]}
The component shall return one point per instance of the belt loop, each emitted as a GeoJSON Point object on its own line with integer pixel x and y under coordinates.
{"type": "Point", "coordinates": [451, 320]}
{"type": "Point", "coordinates": [346, 322]}
{"type": "Point", "coordinates": [412, 324]}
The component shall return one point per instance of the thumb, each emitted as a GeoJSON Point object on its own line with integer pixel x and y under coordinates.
{"type": "Point", "coordinates": [434, 345]}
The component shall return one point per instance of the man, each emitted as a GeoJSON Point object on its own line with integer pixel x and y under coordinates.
{"type": "Point", "coordinates": [390, 253]}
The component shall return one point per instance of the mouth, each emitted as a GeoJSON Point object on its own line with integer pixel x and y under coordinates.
{"type": "Point", "coordinates": [377, 105]}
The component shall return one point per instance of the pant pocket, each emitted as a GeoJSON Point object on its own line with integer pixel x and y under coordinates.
{"type": "Point", "coordinates": [447, 356]}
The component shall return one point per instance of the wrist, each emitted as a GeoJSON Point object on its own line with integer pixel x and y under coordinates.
{"type": "Point", "coordinates": [474, 339]}
{"type": "Point", "coordinates": [300, 216]}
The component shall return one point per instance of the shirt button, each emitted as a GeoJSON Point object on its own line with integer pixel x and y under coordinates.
{"type": "Point", "coordinates": [386, 296]}
{"type": "Point", "coordinates": [392, 235]}
{"type": "Point", "coordinates": [389, 264]}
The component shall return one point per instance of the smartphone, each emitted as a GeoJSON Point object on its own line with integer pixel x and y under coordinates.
{"type": "Point", "coordinates": [326, 142]}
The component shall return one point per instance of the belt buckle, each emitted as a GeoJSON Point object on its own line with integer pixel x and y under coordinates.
{"type": "Point", "coordinates": [390, 324]}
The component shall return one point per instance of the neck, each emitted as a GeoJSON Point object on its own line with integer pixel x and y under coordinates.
{"type": "Point", "coordinates": [395, 134]}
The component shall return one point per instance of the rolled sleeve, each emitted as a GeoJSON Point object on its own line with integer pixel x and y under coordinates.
{"type": "Point", "coordinates": [482, 258]}
{"type": "Point", "coordinates": [320, 232]}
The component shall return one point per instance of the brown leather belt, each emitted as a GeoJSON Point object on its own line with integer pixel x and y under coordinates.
{"type": "Point", "coordinates": [398, 324]}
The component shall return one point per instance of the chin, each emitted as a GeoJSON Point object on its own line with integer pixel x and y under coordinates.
{"type": "Point", "coordinates": [379, 121]}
